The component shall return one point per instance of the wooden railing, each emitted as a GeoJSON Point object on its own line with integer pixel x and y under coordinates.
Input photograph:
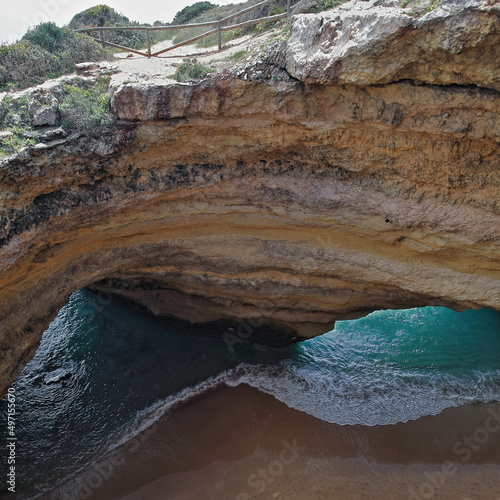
{"type": "Point", "coordinates": [218, 29]}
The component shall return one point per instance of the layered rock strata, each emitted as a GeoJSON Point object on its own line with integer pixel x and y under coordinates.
{"type": "Point", "coordinates": [355, 168]}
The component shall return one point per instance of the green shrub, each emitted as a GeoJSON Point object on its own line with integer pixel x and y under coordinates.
{"type": "Point", "coordinates": [419, 8]}
{"type": "Point", "coordinates": [47, 36]}
{"type": "Point", "coordinates": [14, 128]}
{"type": "Point", "coordinates": [25, 63]}
{"type": "Point", "coordinates": [329, 4]}
{"type": "Point", "coordinates": [4, 75]}
{"type": "Point", "coordinates": [322, 5]}
{"type": "Point", "coordinates": [190, 12]}
{"type": "Point", "coordinates": [262, 27]}
{"type": "Point", "coordinates": [276, 9]}
{"type": "Point", "coordinates": [14, 142]}
{"type": "Point", "coordinates": [238, 56]}
{"type": "Point", "coordinates": [191, 69]}
{"type": "Point", "coordinates": [13, 112]}
{"type": "Point", "coordinates": [86, 109]}
{"type": "Point", "coordinates": [434, 5]}
{"type": "Point", "coordinates": [45, 51]}
{"type": "Point", "coordinates": [102, 16]}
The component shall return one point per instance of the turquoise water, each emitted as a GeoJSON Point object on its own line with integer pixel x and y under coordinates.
{"type": "Point", "coordinates": [389, 367]}
{"type": "Point", "coordinates": [103, 373]}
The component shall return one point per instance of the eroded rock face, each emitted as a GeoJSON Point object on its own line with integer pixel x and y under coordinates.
{"type": "Point", "coordinates": [43, 109]}
{"type": "Point", "coordinates": [293, 201]}
{"type": "Point", "coordinates": [364, 43]}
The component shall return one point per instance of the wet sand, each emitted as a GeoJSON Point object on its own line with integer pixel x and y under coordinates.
{"type": "Point", "coordinates": [237, 443]}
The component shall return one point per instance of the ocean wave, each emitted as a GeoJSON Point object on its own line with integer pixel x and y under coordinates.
{"type": "Point", "coordinates": [147, 418]}
{"type": "Point", "coordinates": [358, 399]}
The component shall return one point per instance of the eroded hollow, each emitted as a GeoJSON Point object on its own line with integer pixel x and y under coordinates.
{"type": "Point", "coordinates": [221, 262]}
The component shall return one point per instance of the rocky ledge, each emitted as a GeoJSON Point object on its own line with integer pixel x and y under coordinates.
{"type": "Point", "coordinates": [354, 168]}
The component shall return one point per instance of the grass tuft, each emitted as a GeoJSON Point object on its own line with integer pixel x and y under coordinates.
{"type": "Point", "coordinates": [191, 69]}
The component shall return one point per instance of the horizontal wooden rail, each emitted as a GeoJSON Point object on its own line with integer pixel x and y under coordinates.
{"type": "Point", "coordinates": [244, 11]}
{"type": "Point", "coordinates": [185, 42]}
{"type": "Point", "coordinates": [178, 26]}
{"type": "Point", "coordinates": [276, 17]}
{"type": "Point", "coordinates": [116, 46]}
{"type": "Point", "coordinates": [219, 28]}
{"type": "Point", "coordinates": [152, 28]}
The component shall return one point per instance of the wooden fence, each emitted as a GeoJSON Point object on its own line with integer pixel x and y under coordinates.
{"type": "Point", "coordinates": [217, 27]}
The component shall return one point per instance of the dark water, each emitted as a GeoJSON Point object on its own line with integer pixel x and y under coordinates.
{"type": "Point", "coordinates": [103, 373]}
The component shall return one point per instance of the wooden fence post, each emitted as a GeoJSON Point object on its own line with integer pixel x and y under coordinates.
{"type": "Point", "coordinates": [217, 30]}
{"type": "Point", "coordinates": [148, 39]}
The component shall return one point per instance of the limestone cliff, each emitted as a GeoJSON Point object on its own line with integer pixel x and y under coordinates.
{"type": "Point", "coordinates": [354, 168]}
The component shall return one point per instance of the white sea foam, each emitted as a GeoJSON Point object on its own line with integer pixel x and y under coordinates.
{"type": "Point", "coordinates": [340, 398]}
{"type": "Point", "coordinates": [352, 398]}
{"type": "Point", "coordinates": [343, 397]}
{"type": "Point", "coordinates": [149, 416]}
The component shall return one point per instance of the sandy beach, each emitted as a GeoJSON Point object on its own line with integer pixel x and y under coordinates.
{"type": "Point", "coordinates": [238, 443]}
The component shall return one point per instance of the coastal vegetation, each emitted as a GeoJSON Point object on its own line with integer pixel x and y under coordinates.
{"type": "Point", "coordinates": [220, 12]}
{"type": "Point", "coordinates": [191, 69]}
{"type": "Point", "coordinates": [322, 5]}
{"type": "Point", "coordinates": [74, 106]}
{"type": "Point", "coordinates": [13, 141]}
{"type": "Point", "coordinates": [85, 108]}
{"type": "Point", "coordinates": [103, 16]}
{"type": "Point", "coordinates": [15, 133]}
{"type": "Point", "coordinates": [45, 51]}
{"type": "Point", "coordinates": [190, 12]}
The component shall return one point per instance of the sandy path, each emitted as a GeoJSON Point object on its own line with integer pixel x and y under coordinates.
{"type": "Point", "coordinates": [128, 67]}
